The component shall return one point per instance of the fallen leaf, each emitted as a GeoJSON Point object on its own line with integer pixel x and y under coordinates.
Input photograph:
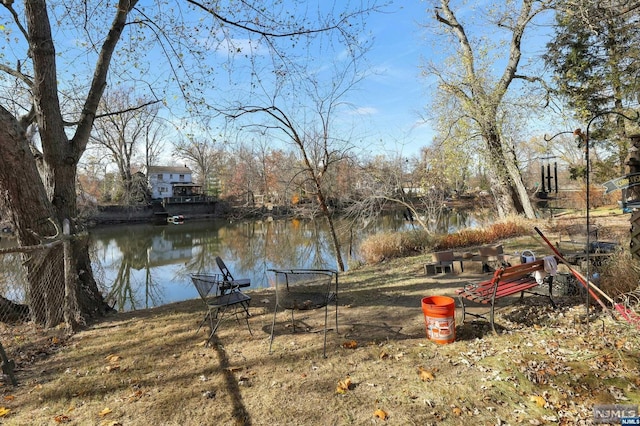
{"type": "Point", "coordinates": [105, 412]}
{"type": "Point", "coordinates": [344, 386]}
{"type": "Point", "coordinates": [457, 411]}
{"type": "Point", "coordinates": [55, 340]}
{"type": "Point", "coordinates": [136, 395]}
{"type": "Point", "coordinates": [113, 358]}
{"type": "Point", "coordinates": [381, 414]}
{"type": "Point", "coordinates": [540, 401]}
{"type": "Point", "coordinates": [111, 368]}
{"type": "Point", "coordinates": [9, 398]}
{"type": "Point", "coordinates": [351, 344]}
{"type": "Point", "coordinates": [4, 411]}
{"type": "Point", "coordinates": [61, 418]}
{"type": "Point", "coordinates": [384, 355]}
{"type": "Point", "coordinates": [425, 375]}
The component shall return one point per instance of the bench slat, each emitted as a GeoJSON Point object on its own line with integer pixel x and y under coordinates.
{"type": "Point", "coordinates": [505, 282]}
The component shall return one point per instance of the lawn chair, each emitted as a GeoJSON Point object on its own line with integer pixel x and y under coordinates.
{"type": "Point", "coordinates": [304, 289]}
{"type": "Point", "coordinates": [226, 274]}
{"type": "Point", "coordinates": [220, 298]}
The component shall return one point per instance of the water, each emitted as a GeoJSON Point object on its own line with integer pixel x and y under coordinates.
{"type": "Point", "coordinates": [143, 266]}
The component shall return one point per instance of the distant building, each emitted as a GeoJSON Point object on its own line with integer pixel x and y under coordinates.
{"type": "Point", "coordinates": [170, 182]}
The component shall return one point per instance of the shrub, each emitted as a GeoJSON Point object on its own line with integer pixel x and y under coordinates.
{"type": "Point", "coordinates": [512, 227]}
{"type": "Point", "coordinates": [379, 247]}
{"type": "Point", "coordinates": [619, 274]}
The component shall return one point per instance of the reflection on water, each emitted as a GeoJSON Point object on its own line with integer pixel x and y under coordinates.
{"type": "Point", "coordinates": [143, 266]}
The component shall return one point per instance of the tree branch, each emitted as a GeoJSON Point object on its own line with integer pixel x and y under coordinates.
{"type": "Point", "coordinates": [9, 6]}
{"type": "Point", "coordinates": [264, 32]}
{"type": "Point", "coordinates": [17, 74]}
{"type": "Point", "coordinates": [99, 80]}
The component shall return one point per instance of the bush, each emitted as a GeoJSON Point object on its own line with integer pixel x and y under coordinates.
{"type": "Point", "coordinates": [475, 237]}
{"type": "Point", "coordinates": [379, 247]}
{"type": "Point", "coordinates": [619, 274]}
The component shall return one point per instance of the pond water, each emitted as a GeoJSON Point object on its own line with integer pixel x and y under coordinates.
{"type": "Point", "coordinates": [143, 266]}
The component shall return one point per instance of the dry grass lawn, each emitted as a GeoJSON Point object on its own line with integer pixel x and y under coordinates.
{"type": "Point", "coordinates": [151, 368]}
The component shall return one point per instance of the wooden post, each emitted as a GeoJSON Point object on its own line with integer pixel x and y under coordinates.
{"type": "Point", "coordinates": [70, 303]}
{"type": "Point", "coordinates": [8, 366]}
{"type": "Point", "coordinates": [633, 195]}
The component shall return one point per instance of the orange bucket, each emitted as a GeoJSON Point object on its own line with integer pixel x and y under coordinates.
{"type": "Point", "coordinates": [440, 318]}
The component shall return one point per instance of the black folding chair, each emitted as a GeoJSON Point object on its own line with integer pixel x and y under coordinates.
{"type": "Point", "coordinates": [220, 298]}
{"type": "Point", "coordinates": [303, 289]}
{"type": "Point", "coordinates": [226, 274]}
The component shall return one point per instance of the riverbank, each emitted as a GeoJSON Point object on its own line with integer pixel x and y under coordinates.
{"type": "Point", "coordinates": [115, 214]}
{"type": "Point", "coordinates": [151, 367]}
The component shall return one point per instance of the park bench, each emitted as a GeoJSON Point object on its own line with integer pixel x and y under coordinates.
{"type": "Point", "coordinates": [506, 281]}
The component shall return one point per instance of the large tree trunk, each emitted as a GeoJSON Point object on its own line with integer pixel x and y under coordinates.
{"type": "Point", "coordinates": [39, 200]}
{"type": "Point", "coordinates": [36, 221]}
{"type": "Point", "coordinates": [33, 217]}
{"type": "Point", "coordinates": [507, 186]}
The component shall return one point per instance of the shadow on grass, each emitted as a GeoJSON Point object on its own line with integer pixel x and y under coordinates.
{"type": "Point", "coordinates": [472, 330]}
{"type": "Point", "coordinates": [240, 413]}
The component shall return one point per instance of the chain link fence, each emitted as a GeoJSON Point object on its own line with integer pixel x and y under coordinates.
{"type": "Point", "coordinates": [31, 303]}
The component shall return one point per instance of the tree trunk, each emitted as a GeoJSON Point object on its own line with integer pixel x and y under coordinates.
{"type": "Point", "coordinates": [33, 217]}
{"type": "Point", "coordinates": [36, 221]}
{"type": "Point", "coordinates": [334, 237]}
{"type": "Point", "coordinates": [506, 181]}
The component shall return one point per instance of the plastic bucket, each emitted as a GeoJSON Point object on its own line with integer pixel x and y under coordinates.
{"type": "Point", "coordinates": [439, 318]}
{"type": "Point", "coordinates": [527, 257]}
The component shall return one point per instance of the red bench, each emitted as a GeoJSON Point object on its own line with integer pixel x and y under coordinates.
{"type": "Point", "coordinates": [506, 281]}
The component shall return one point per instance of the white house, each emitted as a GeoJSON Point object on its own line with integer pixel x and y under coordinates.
{"type": "Point", "coordinates": [166, 181]}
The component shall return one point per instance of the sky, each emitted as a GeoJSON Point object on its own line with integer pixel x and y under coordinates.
{"type": "Point", "coordinates": [395, 93]}
{"type": "Point", "coordinates": [390, 101]}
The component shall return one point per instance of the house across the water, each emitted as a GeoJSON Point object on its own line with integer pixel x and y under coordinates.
{"type": "Point", "coordinates": [174, 185]}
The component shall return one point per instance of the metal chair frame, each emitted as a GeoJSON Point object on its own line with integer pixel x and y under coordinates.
{"type": "Point", "coordinates": [322, 299]}
{"type": "Point", "coordinates": [226, 274]}
{"type": "Point", "coordinates": [221, 298]}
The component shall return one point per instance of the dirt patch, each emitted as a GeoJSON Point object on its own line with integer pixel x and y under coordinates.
{"type": "Point", "coordinates": [545, 366]}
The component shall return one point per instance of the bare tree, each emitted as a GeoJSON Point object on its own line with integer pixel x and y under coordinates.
{"type": "Point", "coordinates": [205, 157]}
{"type": "Point", "coordinates": [306, 121]}
{"type": "Point", "coordinates": [417, 189]}
{"type": "Point", "coordinates": [127, 127]}
{"type": "Point", "coordinates": [479, 95]}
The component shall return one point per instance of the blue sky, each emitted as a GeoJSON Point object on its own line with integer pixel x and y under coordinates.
{"type": "Point", "coordinates": [395, 93]}
{"type": "Point", "coordinates": [385, 115]}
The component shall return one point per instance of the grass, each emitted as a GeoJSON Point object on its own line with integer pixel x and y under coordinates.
{"type": "Point", "coordinates": [389, 245]}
